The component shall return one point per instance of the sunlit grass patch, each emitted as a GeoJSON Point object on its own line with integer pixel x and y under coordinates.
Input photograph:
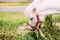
{"type": "Point", "coordinates": [56, 18]}
{"type": "Point", "coordinates": [9, 23]}
{"type": "Point", "coordinates": [14, 4]}
{"type": "Point", "coordinates": [11, 20]}
{"type": "Point", "coordinates": [12, 16]}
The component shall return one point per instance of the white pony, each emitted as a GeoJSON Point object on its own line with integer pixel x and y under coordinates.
{"type": "Point", "coordinates": [42, 8]}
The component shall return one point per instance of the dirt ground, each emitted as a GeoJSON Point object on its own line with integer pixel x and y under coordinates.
{"type": "Point", "coordinates": [58, 24]}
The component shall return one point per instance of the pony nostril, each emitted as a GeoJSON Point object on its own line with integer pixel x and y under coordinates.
{"type": "Point", "coordinates": [31, 18]}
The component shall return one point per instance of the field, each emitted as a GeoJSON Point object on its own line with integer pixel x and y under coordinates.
{"type": "Point", "coordinates": [14, 4]}
{"type": "Point", "coordinates": [12, 18]}
{"type": "Point", "coordinates": [10, 21]}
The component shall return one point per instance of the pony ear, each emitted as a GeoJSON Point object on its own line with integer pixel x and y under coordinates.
{"type": "Point", "coordinates": [34, 10]}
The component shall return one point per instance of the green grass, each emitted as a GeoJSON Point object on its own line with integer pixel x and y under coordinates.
{"type": "Point", "coordinates": [51, 33]}
{"type": "Point", "coordinates": [9, 22]}
{"type": "Point", "coordinates": [56, 18]}
{"type": "Point", "coordinates": [14, 17]}
{"type": "Point", "coordinates": [14, 4]}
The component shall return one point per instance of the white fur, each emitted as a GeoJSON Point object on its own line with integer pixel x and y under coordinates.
{"type": "Point", "coordinates": [43, 7]}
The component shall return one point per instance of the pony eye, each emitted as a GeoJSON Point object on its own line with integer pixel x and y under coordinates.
{"type": "Point", "coordinates": [31, 18]}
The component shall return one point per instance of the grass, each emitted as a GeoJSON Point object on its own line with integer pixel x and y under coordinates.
{"type": "Point", "coordinates": [51, 33]}
{"type": "Point", "coordinates": [14, 4]}
{"type": "Point", "coordinates": [9, 22]}
{"type": "Point", "coordinates": [12, 17]}
{"type": "Point", "coordinates": [56, 18]}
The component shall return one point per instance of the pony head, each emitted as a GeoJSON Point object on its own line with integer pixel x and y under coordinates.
{"type": "Point", "coordinates": [32, 20]}
{"type": "Point", "coordinates": [35, 20]}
